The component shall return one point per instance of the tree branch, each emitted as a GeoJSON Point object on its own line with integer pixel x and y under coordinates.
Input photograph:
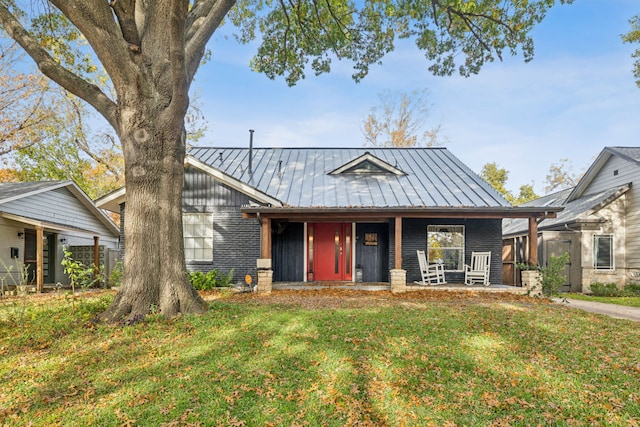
{"type": "Point", "coordinates": [95, 20]}
{"type": "Point", "coordinates": [202, 21]}
{"type": "Point", "coordinates": [52, 69]}
{"type": "Point", "coordinates": [125, 12]}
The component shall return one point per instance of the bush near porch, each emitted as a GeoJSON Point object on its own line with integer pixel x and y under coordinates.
{"type": "Point", "coordinates": [329, 358]}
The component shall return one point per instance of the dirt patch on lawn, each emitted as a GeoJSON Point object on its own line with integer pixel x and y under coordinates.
{"type": "Point", "coordinates": [345, 298]}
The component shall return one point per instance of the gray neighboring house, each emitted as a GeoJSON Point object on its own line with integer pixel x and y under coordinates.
{"type": "Point", "coordinates": [599, 226]}
{"type": "Point", "coordinates": [38, 218]}
{"type": "Point", "coordinates": [336, 214]}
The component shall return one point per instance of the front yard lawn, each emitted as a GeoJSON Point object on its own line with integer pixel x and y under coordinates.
{"type": "Point", "coordinates": [320, 358]}
{"type": "Point", "coordinates": [628, 301]}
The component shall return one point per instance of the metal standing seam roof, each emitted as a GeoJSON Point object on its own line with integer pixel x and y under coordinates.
{"type": "Point", "coordinates": [300, 177]}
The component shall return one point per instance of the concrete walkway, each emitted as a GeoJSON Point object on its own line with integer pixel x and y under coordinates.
{"type": "Point", "coordinates": [611, 310]}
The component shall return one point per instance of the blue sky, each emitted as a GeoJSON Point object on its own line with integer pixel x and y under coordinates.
{"type": "Point", "coordinates": [577, 96]}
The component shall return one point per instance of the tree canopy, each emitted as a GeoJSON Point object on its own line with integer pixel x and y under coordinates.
{"type": "Point", "coordinates": [497, 178]}
{"type": "Point", "coordinates": [151, 50]}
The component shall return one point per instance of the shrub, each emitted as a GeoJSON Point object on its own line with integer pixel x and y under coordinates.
{"type": "Point", "coordinates": [632, 289]}
{"type": "Point", "coordinates": [80, 274]}
{"type": "Point", "coordinates": [605, 290]}
{"type": "Point", "coordinates": [115, 278]}
{"type": "Point", "coordinates": [209, 280]}
{"type": "Point", "coordinates": [551, 276]}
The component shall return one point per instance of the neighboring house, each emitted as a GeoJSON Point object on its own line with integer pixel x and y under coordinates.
{"type": "Point", "coordinates": [599, 226]}
{"type": "Point", "coordinates": [38, 218]}
{"type": "Point", "coordinates": [336, 214]}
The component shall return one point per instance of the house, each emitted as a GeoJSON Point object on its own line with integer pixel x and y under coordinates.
{"type": "Point", "coordinates": [38, 218]}
{"type": "Point", "coordinates": [599, 226]}
{"type": "Point", "coordinates": [336, 214]}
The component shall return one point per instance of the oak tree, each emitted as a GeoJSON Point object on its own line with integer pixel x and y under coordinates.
{"type": "Point", "coordinates": [151, 50]}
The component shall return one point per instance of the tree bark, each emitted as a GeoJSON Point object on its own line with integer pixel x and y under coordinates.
{"type": "Point", "coordinates": [155, 278]}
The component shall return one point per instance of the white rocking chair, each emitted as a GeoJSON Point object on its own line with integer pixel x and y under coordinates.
{"type": "Point", "coordinates": [478, 271]}
{"type": "Point", "coordinates": [432, 274]}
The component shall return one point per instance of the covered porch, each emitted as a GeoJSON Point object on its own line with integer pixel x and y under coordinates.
{"type": "Point", "coordinates": [404, 238]}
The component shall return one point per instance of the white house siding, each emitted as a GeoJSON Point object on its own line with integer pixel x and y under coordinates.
{"type": "Point", "coordinates": [627, 172]}
{"type": "Point", "coordinates": [9, 238]}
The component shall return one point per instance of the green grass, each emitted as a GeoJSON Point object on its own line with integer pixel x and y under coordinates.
{"type": "Point", "coordinates": [628, 301]}
{"type": "Point", "coordinates": [255, 361]}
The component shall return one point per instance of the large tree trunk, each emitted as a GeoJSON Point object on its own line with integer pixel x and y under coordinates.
{"type": "Point", "coordinates": [155, 278]}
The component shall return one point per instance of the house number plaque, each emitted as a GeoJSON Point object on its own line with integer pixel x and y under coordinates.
{"type": "Point", "coordinates": [371, 239]}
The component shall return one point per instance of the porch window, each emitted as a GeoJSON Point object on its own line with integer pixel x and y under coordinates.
{"type": "Point", "coordinates": [603, 252]}
{"type": "Point", "coordinates": [445, 244]}
{"type": "Point", "coordinates": [198, 236]}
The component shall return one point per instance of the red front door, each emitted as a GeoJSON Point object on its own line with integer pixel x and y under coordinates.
{"type": "Point", "coordinates": [332, 252]}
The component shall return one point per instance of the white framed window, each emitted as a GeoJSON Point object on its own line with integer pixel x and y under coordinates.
{"type": "Point", "coordinates": [603, 252]}
{"type": "Point", "coordinates": [197, 229]}
{"type": "Point", "coordinates": [445, 244]}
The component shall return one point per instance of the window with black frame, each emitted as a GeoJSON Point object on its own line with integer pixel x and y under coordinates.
{"type": "Point", "coordinates": [603, 252]}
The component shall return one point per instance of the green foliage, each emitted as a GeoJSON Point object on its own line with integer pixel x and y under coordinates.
{"type": "Point", "coordinates": [454, 35]}
{"type": "Point", "coordinates": [527, 266]}
{"type": "Point", "coordinates": [612, 290]}
{"type": "Point", "coordinates": [632, 289]}
{"type": "Point", "coordinates": [497, 178]}
{"type": "Point", "coordinates": [210, 280]}
{"type": "Point", "coordinates": [633, 36]}
{"type": "Point", "coordinates": [551, 276]}
{"type": "Point", "coordinates": [115, 278]}
{"type": "Point", "coordinates": [80, 275]}
{"type": "Point", "coordinates": [606, 290]}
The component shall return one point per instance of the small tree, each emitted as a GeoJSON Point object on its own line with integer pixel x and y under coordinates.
{"type": "Point", "coordinates": [552, 277]}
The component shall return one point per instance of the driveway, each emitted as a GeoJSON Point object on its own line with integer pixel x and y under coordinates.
{"type": "Point", "coordinates": [612, 310]}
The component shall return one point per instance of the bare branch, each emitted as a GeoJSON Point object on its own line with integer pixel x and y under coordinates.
{"type": "Point", "coordinates": [52, 69]}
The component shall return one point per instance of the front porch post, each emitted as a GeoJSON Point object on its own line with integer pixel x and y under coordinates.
{"type": "Point", "coordinates": [96, 256]}
{"type": "Point", "coordinates": [533, 241]}
{"type": "Point", "coordinates": [398, 276]}
{"type": "Point", "coordinates": [39, 258]}
{"type": "Point", "coordinates": [264, 269]}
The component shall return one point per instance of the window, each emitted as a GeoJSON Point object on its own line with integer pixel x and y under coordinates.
{"type": "Point", "coordinates": [445, 244]}
{"type": "Point", "coordinates": [198, 237]}
{"type": "Point", "coordinates": [603, 252]}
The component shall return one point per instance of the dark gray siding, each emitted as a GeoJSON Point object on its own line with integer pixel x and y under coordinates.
{"type": "Point", "coordinates": [288, 251]}
{"type": "Point", "coordinates": [480, 235]}
{"type": "Point", "coordinates": [236, 241]}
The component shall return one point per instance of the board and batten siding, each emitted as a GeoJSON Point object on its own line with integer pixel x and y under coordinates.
{"type": "Point", "coordinates": [627, 172]}
{"type": "Point", "coordinates": [236, 241]}
{"type": "Point", "coordinates": [59, 207]}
